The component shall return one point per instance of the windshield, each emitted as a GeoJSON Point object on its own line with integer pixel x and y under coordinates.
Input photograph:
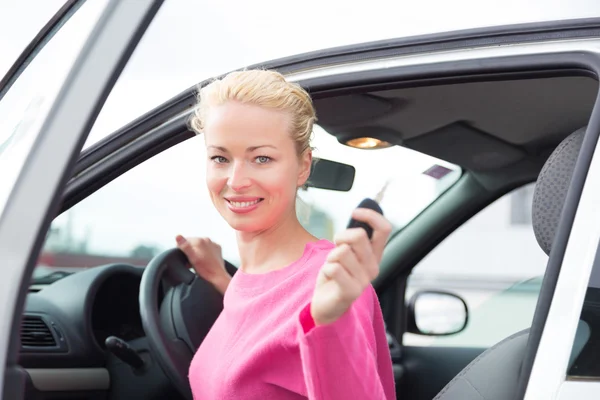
{"type": "Point", "coordinates": [190, 41]}
{"type": "Point", "coordinates": [25, 104]}
{"type": "Point", "coordinates": [138, 215]}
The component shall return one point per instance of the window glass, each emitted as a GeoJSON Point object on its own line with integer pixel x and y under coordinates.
{"type": "Point", "coordinates": [493, 262]}
{"type": "Point", "coordinates": [19, 25]}
{"type": "Point", "coordinates": [138, 214]}
{"type": "Point", "coordinates": [25, 104]}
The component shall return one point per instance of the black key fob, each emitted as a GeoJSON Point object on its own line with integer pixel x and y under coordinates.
{"type": "Point", "coordinates": [366, 203]}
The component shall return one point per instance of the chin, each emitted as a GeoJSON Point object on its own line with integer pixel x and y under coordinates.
{"type": "Point", "coordinates": [248, 226]}
{"type": "Point", "coordinates": [242, 223]}
{"type": "Point", "coordinates": [256, 221]}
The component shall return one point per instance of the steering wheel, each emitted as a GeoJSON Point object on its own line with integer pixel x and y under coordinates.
{"type": "Point", "coordinates": [176, 326]}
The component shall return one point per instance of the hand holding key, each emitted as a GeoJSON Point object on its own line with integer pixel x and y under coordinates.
{"type": "Point", "coordinates": [350, 266]}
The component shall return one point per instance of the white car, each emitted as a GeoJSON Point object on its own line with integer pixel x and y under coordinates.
{"type": "Point", "coordinates": [447, 123]}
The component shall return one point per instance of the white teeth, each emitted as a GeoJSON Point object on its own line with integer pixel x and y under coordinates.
{"type": "Point", "coordinates": [241, 204]}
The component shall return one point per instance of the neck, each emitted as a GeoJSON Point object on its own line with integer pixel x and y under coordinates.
{"type": "Point", "coordinates": [273, 248]}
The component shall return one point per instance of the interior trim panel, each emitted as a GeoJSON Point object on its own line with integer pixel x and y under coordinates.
{"type": "Point", "coordinates": [69, 379]}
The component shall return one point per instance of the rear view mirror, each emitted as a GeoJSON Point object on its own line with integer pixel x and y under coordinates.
{"type": "Point", "coordinates": [436, 313]}
{"type": "Point", "coordinates": [331, 175]}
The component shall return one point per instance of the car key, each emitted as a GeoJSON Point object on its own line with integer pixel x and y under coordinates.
{"type": "Point", "coordinates": [370, 204]}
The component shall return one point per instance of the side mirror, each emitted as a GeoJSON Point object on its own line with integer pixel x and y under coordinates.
{"type": "Point", "coordinates": [436, 313]}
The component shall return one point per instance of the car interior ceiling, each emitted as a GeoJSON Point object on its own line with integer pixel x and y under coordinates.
{"type": "Point", "coordinates": [483, 126]}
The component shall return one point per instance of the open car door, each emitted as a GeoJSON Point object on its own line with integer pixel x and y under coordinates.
{"type": "Point", "coordinates": [37, 153]}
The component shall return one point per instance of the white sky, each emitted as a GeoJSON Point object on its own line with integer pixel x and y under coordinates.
{"type": "Point", "coordinates": [191, 40]}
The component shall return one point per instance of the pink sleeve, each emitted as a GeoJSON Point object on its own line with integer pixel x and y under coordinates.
{"type": "Point", "coordinates": [347, 359]}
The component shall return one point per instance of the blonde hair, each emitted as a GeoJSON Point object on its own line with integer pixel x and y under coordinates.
{"type": "Point", "coordinates": [262, 88]}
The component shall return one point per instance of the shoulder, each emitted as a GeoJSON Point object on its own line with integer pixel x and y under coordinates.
{"type": "Point", "coordinates": [321, 245]}
{"type": "Point", "coordinates": [315, 255]}
{"type": "Point", "coordinates": [317, 252]}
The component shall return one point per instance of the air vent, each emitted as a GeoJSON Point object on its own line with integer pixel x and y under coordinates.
{"type": "Point", "coordinates": [36, 333]}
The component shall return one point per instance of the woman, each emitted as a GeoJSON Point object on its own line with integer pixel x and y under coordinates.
{"type": "Point", "coordinates": [300, 318]}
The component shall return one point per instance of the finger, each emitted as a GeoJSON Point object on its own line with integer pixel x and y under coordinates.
{"type": "Point", "coordinates": [364, 267]}
{"type": "Point", "coordinates": [358, 241]}
{"type": "Point", "coordinates": [182, 243]}
{"type": "Point", "coordinates": [381, 227]}
{"type": "Point", "coordinates": [363, 248]}
{"type": "Point", "coordinates": [347, 285]}
{"type": "Point", "coordinates": [188, 249]}
{"type": "Point", "coordinates": [344, 255]}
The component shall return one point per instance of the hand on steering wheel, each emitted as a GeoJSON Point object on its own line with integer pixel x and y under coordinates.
{"type": "Point", "coordinates": [206, 259]}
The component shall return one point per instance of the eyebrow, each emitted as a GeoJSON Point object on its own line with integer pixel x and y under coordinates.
{"type": "Point", "coordinates": [249, 149]}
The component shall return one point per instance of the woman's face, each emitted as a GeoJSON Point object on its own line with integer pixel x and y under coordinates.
{"type": "Point", "coordinates": [253, 168]}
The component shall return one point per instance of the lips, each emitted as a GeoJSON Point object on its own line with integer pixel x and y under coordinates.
{"type": "Point", "coordinates": [242, 205]}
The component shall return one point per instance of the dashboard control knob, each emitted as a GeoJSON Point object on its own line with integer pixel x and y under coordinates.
{"type": "Point", "coordinates": [123, 351]}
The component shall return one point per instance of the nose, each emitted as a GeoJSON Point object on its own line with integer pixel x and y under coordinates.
{"type": "Point", "coordinates": [239, 178]}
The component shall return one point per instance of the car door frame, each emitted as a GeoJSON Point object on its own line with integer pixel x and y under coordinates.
{"type": "Point", "coordinates": [574, 251]}
{"type": "Point", "coordinates": [37, 44]}
{"type": "Point", "coordinates": [58, 137]}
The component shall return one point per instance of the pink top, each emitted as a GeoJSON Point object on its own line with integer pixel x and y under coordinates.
{"type": "Point", "coordinates": [264, 345]}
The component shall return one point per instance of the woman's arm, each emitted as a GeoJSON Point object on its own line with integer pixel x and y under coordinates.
{"type": "Point", "coordinates": [221, 282]}
{"type": "Point", "coordinates": [342, 336]}
{"type": "Point", "coordinates": [349, 358]}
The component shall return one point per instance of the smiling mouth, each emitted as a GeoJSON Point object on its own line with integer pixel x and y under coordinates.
{"type": "Point", "coordinates": [244, 204]}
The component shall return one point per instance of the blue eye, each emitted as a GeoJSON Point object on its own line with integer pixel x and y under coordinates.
{"type": "Point", "coordinates": [219, 159]}
{"type": "Point", "coordinates": [263, 159]}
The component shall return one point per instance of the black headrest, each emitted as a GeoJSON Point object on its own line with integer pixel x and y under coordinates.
{"type": "Point", "coordinates": [551, 188]}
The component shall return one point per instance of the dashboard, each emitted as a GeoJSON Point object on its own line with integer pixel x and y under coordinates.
{"type": "Point", "coordinates": [63, 333]}
{"type": "Point", "coordinates": [116, 310]}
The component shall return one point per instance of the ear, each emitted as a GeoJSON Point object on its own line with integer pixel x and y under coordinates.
{"type": "Point", "coordinates": [305, 166]}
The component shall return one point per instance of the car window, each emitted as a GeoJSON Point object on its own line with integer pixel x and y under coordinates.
{"type": "Point", "coordinates": [14, 37]}
{"type": "Point", "coordinates": [137, 215]}
{"type": "Point", "coordinates": [586, 345]}
{"type": "Point", "coordinates": [493, 262]}
{"type": "Point", "coordinates": [25, 103]}
{"type": "Point", "coordinates": [185, 42]}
